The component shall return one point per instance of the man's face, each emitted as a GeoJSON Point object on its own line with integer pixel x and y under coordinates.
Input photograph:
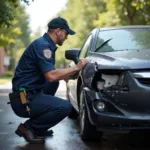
{"type": "Point", "coordinates": [61, 36]}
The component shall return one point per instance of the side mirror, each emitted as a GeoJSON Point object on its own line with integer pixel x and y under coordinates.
{"type": "Point", "coordinates": [73, 54]}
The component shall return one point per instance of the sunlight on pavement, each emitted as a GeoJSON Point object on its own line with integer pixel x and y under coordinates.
{"type": "Point", "coordinates": [1, 110]}
{"type": "Point", "coordinates": [6, 86]}
{"type": "Point", "coordinates": [4, 94]}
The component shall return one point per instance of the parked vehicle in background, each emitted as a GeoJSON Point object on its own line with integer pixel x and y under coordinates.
{"type": "Point", "coordinates": [112, 93]}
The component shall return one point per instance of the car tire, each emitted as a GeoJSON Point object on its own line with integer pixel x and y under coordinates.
{"type": "Point", "coordinates": [87, 130]}
{"type": "Point", "coordinates": [74, 114]}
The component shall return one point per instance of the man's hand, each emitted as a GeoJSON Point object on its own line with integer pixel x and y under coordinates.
{"type": "Point", "coordinates": [72, 76]}
{"type": "Point", "coordinates": [61, 74]}
{"type": "Point", "coordinates": [81, 64]}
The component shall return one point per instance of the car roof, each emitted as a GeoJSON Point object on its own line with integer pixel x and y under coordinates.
{"type": "Point", "coordinates": [125, 27]}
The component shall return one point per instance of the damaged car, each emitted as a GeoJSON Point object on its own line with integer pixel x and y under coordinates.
{"type": "Point", "coordinates": [112, 92]}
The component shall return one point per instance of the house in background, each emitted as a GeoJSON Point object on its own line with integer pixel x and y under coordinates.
{"type": "Point", "coordinates": [4, 60]}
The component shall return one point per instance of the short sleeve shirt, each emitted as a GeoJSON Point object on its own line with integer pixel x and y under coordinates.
{"type": "Point", "coordinates": [37, 59]}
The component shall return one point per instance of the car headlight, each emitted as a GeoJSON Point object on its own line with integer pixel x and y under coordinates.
{"type": "Point", "coordinates": [107, 81]}
{"type": "Point", "coordinates": [100, 84]}
{"type": "Point", "coordinates": [100, 106]}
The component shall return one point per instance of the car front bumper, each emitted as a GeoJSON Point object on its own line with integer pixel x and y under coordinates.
{"type": "Point", "coordinates": [124, 111]}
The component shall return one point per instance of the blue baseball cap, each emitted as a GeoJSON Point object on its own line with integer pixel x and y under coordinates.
{"type": "Point", "coordinates": [60, 23]}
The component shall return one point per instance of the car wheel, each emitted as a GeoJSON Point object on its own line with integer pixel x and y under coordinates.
{"type": "Point", "coordinates": [73, 114]}
{"type": "Point", "coordinates": [87, 130]}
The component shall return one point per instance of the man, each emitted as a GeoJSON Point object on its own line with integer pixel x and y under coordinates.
{"type": "Point", "coordinates": [37, 78]}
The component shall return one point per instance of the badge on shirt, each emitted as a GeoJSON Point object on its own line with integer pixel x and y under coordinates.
{"type": "Point", "coordinates": [47, 53]}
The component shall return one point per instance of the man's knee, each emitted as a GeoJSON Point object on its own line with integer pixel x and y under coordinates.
{"type": "Point", "coordinates": [67, 108]}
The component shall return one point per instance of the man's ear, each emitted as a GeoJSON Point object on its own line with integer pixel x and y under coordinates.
{"type": "Point", "coordinates": [57, 31]}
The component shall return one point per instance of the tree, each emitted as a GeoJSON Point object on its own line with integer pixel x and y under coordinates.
{"type": "Point", "coordinates": [18, 29]}
{"type": "Point", "coordinates": [124, 12]}
{"type": "Point", "coordinates": [16, 36]}
{"type": "Point", "coordinates": [6, 11]}
{"type": "Point", "coordinates": [134, 11]}
{"type": "Point", "coordinates": [85, 15]}
{"type": "Point", "coordinates": [81, 16]}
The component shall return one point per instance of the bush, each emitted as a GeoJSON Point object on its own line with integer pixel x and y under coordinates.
{"type": "Point", "coordinates": [7, 74]}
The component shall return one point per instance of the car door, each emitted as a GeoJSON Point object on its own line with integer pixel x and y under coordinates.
{"type": "Point", "coordinates": [72, 83]}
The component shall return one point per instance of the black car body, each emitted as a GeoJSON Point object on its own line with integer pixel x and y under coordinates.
{"type": "Point", "coordinates": [112, 93]}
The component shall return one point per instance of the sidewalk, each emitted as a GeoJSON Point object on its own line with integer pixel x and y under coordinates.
{"type": "Point", "coordinates": [9, 122]}
{"type": "Point", "coordinates": [6, 86]}
{"type": "Point", "coordinates": [62, 86]}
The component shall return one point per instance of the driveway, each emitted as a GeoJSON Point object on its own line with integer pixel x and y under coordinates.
{"type": "Point", "coordinates": [66, 133]}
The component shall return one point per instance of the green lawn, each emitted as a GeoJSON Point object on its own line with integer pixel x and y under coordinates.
{"type": "Point", "coordinates": [6, 77]}
{"type": "Point", "coordinates": [4, 81]}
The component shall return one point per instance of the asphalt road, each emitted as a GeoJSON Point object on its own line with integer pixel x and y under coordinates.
{"type": "Point", "coordinates": [66, 133]}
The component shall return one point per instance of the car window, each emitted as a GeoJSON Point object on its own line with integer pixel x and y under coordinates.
{"type": "Point", "coordinates": [123, 39]}
{"type": "Point", "coordinates": [85, 47]}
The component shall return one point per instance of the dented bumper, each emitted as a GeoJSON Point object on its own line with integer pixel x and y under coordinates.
{"type": "Point", "coordinates": [126, 106]}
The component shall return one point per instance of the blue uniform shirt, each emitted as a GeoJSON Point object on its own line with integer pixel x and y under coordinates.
{"type": "Point", "coordinates": [37, 59]}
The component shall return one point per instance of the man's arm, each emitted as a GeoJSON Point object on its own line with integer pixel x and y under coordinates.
{"type": "Point", "coordinates": [60, 74]}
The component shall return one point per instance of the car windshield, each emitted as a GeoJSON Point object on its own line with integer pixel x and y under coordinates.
{"type": "Point", "coordinates": [123, 39]}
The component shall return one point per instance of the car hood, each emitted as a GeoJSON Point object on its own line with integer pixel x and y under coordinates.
{"type": "Point", "coordinates": [134, 59]}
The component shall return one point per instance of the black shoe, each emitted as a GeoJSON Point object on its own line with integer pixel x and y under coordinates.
{"type": "Point", "coordinates": [28, 135]}
{"type": "Point", "coordinates": [47, 133]}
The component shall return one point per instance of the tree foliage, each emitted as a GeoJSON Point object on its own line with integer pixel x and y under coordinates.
{"type": "Point", "coordinates": [6, 11]}
{"type": "Point", "coordinates": [14, 29]}
{"type": "Point", "coordinates": [80, 15]}
{"type": "Point", "coordinates": [124, 12]}
{"type": "Point", "coordinates": [19, 27]}
{"type": "Point", "coordinates": [85, 15]}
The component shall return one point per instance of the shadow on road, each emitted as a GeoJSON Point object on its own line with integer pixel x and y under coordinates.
{"type": "Point", "coordinates": [32, 147]}
{"type": "Point", "coordinates": [136, 140]}
{"type": "Point", "coordinates": [66, 134]}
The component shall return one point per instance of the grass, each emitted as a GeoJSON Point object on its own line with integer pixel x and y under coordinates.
{"type": "Point", "coordinates": [6, 77]}
{"type": "Point", "coordinates": [4, 81]}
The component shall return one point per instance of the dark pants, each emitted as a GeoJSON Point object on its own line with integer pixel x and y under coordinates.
{"type": "Point", "coordinates": [46, 109]}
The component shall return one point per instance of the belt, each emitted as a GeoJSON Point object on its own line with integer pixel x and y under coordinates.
{"type": "Point", "coordinates": [16, 94]}
{"type": "Point", "coordinates": [33, 91]}
{"type": "Point", "coordinates": [28, 91]}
